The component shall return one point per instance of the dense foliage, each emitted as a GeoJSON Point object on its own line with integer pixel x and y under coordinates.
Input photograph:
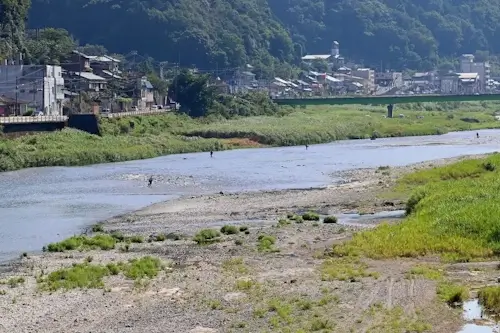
{"type": "Point", "coordinates": [267, 33]}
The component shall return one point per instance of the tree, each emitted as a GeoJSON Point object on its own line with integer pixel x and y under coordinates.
{"type": "Point", "coordinates": [161, 86]}
{"type": "Point", "coordinates": [193, 93]}
{"type": "Point", "coordinates": [50, 46]}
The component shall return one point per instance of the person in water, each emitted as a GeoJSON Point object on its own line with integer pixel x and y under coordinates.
{"type": "Point", "coordinates": [211, 153]}
{"type": "Point", "coordinates": [150, 181]}
{"type": "Point", "coordinates": [307, 146]}
{"type": "Point", "coordinates": [477, 135]}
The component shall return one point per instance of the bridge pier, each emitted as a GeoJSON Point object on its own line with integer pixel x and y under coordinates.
{"type": "Point", "coordinates": [390, 107]}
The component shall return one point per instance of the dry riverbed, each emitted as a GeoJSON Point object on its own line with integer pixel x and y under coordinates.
{"type": "Point", "coordinates": [266, 276]}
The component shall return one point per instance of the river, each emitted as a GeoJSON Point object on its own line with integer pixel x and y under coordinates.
{"type": "Point", "coordinates": [43, 205]}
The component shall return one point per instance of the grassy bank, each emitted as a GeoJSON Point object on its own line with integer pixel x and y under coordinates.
{"type": "Point", "coordinates": [452, 212]}
{"type": "Point", "coordinates": [150, 136]}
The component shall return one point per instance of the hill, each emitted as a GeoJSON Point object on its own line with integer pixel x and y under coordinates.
{"type": "Point", "coordinates": [206, 33]}
{"type": "Point", "coordinates": [210, 33]}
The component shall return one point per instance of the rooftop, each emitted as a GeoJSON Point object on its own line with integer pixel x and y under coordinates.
{"type": "Point", "coordinates": [316, 57]}
{"type": "Point", "coordinates": [104, 58]}
{"type": "Point", "coordinates": [90, 76]}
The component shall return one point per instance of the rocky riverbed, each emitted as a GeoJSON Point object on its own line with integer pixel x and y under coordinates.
{"type": "Point", "coordinates": [237, 284]}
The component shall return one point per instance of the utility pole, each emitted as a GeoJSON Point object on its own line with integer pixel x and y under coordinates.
{"type": "Point", "coordinates": [17, 95]}
{"type": "Point", "coordinates": [80, 83]}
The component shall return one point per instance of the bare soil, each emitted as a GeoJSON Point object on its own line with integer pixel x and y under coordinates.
{"type": "Point", "coordinates": [285, 290]}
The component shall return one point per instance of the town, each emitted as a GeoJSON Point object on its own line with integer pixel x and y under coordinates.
{"type": "Point", "coordinates": [98, 84]}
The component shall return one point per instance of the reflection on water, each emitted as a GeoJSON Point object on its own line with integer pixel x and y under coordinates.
{"type": "Point", "coordinates": [477, 321]}
{"type": "Point", "coordinates": [42, 205]}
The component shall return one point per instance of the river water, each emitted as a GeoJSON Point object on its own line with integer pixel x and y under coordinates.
{"type": "Point", "coordinates": [42, 205]}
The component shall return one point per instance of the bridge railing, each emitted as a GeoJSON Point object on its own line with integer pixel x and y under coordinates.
{"type": "Point", "coordinates": [32, 119]}
{"type": "Point", "coordinates": [134, 113]}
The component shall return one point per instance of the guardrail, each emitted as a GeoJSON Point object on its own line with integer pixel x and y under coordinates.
{"type": "Point", "coordinates": [32, 119]}
{"type": "Point", "coordinates": [134, 113]}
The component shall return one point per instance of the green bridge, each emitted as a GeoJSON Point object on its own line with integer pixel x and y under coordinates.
{"type": "Point", "coordinates": [386, 100]}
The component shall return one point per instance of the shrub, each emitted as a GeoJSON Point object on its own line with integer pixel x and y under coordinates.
{"type": "Point", "coordinates": [310, 216]}
{"type": "Point", "coordinates": [160, 237]}
{"type": "Point", "coordinates": [136, 239]}
{"type": "Point", "coordinates": [207, 236]}
{"type": "Point", "coordinates": [330, 219]}
{"type": "Point", "coordinates": [243, 228]}
{"type": "Point", "coordinates": [103, 242]}
{"type": "Point", "coordinates": [489, 298]}
{"type": "Point", "coordinates": [98, 228]}
{"type": "Point", "coordinates": [146, 267]}
{"type": "Point", "coordinates": [452, 293]}
{"type": "Point", "coordinates": [266, 243]}
{"type": "Point", "coordinates": [229, 230]}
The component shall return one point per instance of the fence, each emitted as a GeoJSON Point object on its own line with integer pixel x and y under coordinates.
{"type": "Point", "coordinates": [32, 119]}
{"type": "Point", "coordinates": [134, 113]}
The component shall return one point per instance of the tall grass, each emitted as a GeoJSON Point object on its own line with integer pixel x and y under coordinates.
{"type": "Point", "coordinates": [150, 136]}
{"type": "Point", "coordinates": [454, 213]}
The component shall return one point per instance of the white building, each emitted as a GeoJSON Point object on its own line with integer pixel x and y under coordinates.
{"type": "Point", "coordinates": [41, 86]}
{"type": "Point", "coordinates": [333, 59]}
{"type": "Point", "coordinates": [467, 65]}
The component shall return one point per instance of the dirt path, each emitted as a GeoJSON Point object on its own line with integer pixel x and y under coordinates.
{"type": "Point", "coordinates": [230, 286]}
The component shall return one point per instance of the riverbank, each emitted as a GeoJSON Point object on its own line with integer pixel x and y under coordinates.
{"type": "Point", "coordinates": [270, 271]}
{"type": "Point", "coordinates": [144, 137]}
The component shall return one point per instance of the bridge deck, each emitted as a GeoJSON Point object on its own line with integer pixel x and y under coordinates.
{"type": "Point", "coordinates": [385, 99]}
{"type": "Point", "coordinates": [32, 120]}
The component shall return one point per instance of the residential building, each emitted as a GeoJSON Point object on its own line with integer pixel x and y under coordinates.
{"type": "Point", "coordinates": [10, 106]}
{"type": "Point", "coordinates": [40, 86]}
{"type": "Point", "coordinates": [365, 73]}
{"type": "Point", "coordinates": [449, 83]}
{"type": "Point", "coordinates": [78, 62]}
{"type": "Point", "coordinates": [146, 94]}
{"type": "Point", "coordinates": [469, 83]}
{"type": "Point", "coordinates": [389, 79]}
{"type": "Point", "coordinates": [85, 81]}
{"type": "Point", "coordinates": [105, 66]}
{"type": "Point", "coordinates": [467, 65]}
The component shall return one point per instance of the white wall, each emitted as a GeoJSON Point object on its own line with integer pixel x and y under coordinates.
{"type": "Point", "coordinates": [40, 86]}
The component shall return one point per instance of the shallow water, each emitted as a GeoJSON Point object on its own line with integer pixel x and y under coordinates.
{"type": "Point", "coordinates": [42, 205]}
{"type": "Point", "coordinates": [473, 312]}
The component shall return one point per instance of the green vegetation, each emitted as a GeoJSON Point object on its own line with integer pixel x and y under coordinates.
{"type": "Point", "coordinates": [330, 219]}
{"type": "Point", "coordinates": [310, 216]}
{"type": "Point", "coordinates": [344, 269]}
{"type": "Point", "coordinates": [426, 271]}
{"type": "Point", "coordinates": [235, 265]}
{"type": "Point", "coordinates": [13, 282]}
{"type": "Point", "coordinates": [266, 243]}
{"type": "Point", "coordinates": [103, 242]}
{"type": "Point", "coordinates": [489, 298]}
{"type": "Point", "coordinates": [88, 275]}
{"type": "Point", "coordinates": [98, 228]}
{"type": "Point", "coordinates": [207, 236]}
{"type": "Point", "coordinates": [150, 136]}
{"type": "Point", "coordinates": [452, 212]}
{"type": "Point", "coordinates": [279, 33]}
{"type": "Point", "coordinates": [395, 320]}
{"type": "Point", "coordinates": [229, 230]}
{"type": "Point", "coordinates": [452, 293]}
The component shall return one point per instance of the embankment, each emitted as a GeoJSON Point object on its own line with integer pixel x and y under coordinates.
{"type": "Point", "coordinates": [133, 138]}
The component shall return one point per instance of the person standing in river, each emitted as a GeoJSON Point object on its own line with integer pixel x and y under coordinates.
{"type": "Point", "coordinates": [477, 135]}
{"type": "Point", "coordinates": [150, 181]}
{"type": "Point", "coordinates": [211, 153]}
{"type": "Point", "coordinates": [307, 146]}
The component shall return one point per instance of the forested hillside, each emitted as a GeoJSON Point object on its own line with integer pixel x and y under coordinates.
{"type": "Point", "coordinates": [416, 34]}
